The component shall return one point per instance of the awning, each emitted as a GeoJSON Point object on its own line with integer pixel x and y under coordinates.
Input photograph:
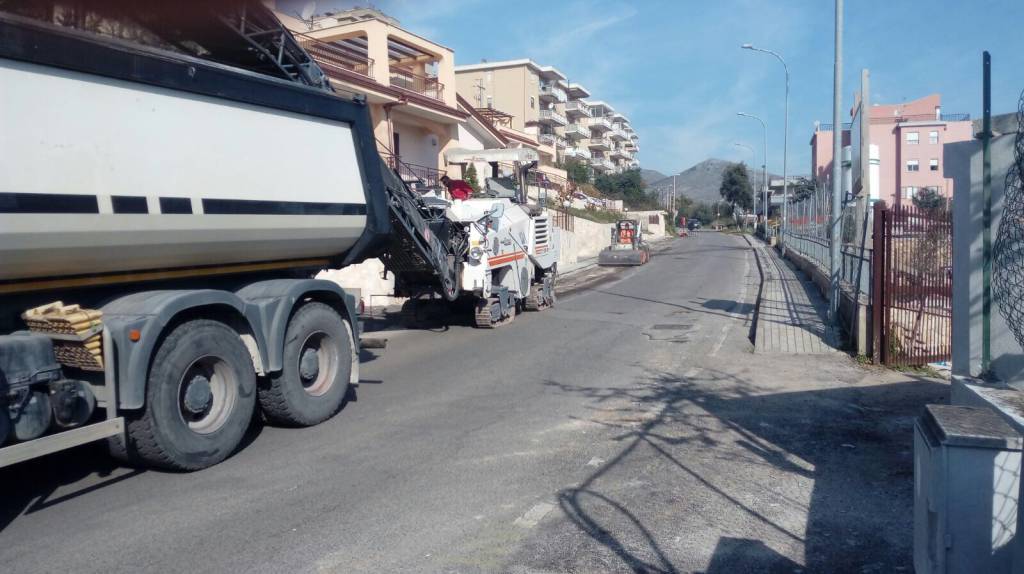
{"type": "Point", "coordinates": [521, 155]}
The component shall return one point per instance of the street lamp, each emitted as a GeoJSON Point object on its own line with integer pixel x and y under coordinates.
{"type": "Point", "coordinates": [785, 147]}
{"type": "Point", "coordinates": [764, 126]}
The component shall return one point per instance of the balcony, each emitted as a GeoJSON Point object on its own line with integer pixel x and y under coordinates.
{"type": "Point", "coordinates": [576, 131]}
{"type": "Point", "coordinates": [424, 85]}
{"type": "Point", "coordinates": [619, 153]}
{"type": "Point", "coordinates": [598, 124]}
{"type": "Point", "coordinates": [551, 93]}
{"type": "Point", "coordinates": [602, 164]}
{"type": "Point", "coordinates": [602, 144]}
{"type": "Point", "coordinates": [551, 117]}
{"type": "Point", "coordinates": [577, 110]}
{"type": "Point", "coordinates": [619, 135]}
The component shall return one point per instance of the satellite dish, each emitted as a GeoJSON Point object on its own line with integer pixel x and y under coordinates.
{"type": "Point", "coordinates": [308, 10]}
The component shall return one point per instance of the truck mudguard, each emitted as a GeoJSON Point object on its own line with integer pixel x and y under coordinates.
{"type": "Point", "coordinates": [274, 300]}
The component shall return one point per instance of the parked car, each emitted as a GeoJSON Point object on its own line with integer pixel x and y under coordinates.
{"type": "Point", "coordinates": [694, 225]}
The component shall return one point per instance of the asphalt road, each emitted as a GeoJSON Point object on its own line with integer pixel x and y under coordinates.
{"type": "Point", "coordinates": [463, 451]}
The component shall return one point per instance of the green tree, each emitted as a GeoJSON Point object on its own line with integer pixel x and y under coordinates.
{"type": "Point", "coordinates": [577, 171]}
{"type": "Point", "coordinates": [802, 188]}
{"type": "Point", "coordinates": [471, 178]}
{"type": "Point", "coordinates": [627, 186]}
{"type": "Point", "coordinates": [736, 188]}
{"type": "Point", "coordinates": [930, 201]}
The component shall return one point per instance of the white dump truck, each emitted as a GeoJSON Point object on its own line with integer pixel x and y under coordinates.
{"type": "Point", "coordinates": [171, 180]}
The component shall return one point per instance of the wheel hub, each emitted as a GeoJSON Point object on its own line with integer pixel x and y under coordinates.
{"type": "Point", "coordinates": [198, 395]}
{"type": "Point", "coordinates": [309, 364]}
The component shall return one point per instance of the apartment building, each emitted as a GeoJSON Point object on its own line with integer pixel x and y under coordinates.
{"type": "Point", "coordinates": [539, 102]}
{"type": "Point", "coordinates": [525, 99]}
{"type": "Point", "coordinates": [907, 148]}
{"type": "Point", "coordinates": [408, 81]}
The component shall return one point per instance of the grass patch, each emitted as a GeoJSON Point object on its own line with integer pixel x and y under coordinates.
{"type": "Point", "coordinates": [598, 216]}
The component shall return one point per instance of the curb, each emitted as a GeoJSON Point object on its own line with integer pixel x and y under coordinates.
{"type": "Point", "coordinates": [760, 291]}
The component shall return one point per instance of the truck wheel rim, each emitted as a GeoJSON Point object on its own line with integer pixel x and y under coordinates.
{"type": "Point", "coordinates": [318, 347]}
{"type": "Point", "coordinates": [207, 394]}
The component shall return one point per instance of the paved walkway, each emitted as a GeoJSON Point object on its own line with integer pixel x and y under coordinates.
{"type": "Point", "coordinates": [792, 314]}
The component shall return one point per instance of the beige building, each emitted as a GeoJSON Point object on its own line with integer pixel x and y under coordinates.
{"type": "Point", "coordinates": [408, 81]}
{"type": "Point", "coordinates": [540, 102]}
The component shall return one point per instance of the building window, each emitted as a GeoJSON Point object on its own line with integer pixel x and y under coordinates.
{"type": "Point", "coordinates": [933, 165]}
{"type": "Point", "coordinates": [912, 165]}
{"type": "Point", "coordinates": [909, 192]}
{"type": "Point", "coordinates": [933, 137]}
{"type": "Point", "coordinates": [533, 102]}
{"type": "Point", "coordinates": [913, 138]}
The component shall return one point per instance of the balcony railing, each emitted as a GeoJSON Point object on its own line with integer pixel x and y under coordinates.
{"type": "Point", "coordinates": [551, 116]}
{"type": "Point", "coordinates": [904, 119]}
{"type": "Point", "coordinates": [548, 91]}
{"type": "Point", "coordinates": [425, 85]}
{"type": "Point", "coordinates": [600, 143]}
{"type": "Point", "coordinates": [335, 59]}
{"type": "Point", "coordinates": [599, 124]}
{"type": "Point", "coordinates": [577, 152]}
{"type": "Point", "coordinates": [619, 134]}
{"type": "Point", "coordinates": [547, 139]}
{"type": "Point", "coordinates": [414, 174]}
{"type": "Point", "coordinates": [577, 108]}
{"type": "Point", "coordinates": [576, 131]}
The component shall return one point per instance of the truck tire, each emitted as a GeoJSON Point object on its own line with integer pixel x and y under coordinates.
{"type": "Point", "coordinates": [200, 398]}
{"type": "Point", "coordinates": [316, 367]}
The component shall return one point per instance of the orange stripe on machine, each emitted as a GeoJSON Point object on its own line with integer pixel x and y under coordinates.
{"type": "Point", "coordinates": [506, 258]}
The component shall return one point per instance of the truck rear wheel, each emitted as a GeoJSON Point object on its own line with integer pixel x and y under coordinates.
{"type": "Point", "coordinates": [200, 397]}
{"type": "Point", "coordinates": [317, 365]}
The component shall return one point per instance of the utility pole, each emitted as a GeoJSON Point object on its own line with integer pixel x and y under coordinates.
{"type": "Point", "coordinates": [673, 198]}
{"type": "Point", "coordinates": [837, 169]}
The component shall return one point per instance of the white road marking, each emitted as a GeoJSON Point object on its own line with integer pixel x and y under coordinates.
{"type": "Point", "coordinates": [595, 461]}
{"type": "Point", "coordinates": [534, 515]}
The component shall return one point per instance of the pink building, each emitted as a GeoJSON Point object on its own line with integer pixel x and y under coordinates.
{"type": "Point", "coordinates": [909, 137]}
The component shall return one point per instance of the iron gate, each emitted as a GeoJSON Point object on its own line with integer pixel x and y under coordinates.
{"type": "Point", "coordinates": [912, 290]}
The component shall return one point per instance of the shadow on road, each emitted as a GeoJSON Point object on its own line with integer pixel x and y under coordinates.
{"type": "Point", "coordinates": [30, 486]}
{"type": "Point", "coordinates": [699, 435]}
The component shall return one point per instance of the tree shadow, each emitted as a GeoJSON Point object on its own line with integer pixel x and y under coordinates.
{"type": "Point", "coordinates": [854, 443]}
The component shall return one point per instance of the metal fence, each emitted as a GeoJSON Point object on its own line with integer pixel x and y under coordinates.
{"type": "Point", "coordinates": [913, 284]}
{"type": "Point", "coordinates": [808, 234]}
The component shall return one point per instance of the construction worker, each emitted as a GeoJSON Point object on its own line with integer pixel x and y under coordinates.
{"type": "Point", "coordinates": [457, 188]}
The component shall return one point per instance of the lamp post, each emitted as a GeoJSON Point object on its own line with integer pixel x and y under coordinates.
{"type": "Point", "coordinates": [785, 147]}
{"type": "Point", "coordinates": [764, 127]}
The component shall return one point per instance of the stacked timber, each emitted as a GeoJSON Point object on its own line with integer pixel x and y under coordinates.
{"type": "Point", "coordinates": [76, 333]}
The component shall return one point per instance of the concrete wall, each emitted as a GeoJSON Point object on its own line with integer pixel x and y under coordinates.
{"type": "Point", "coordinates": [963, 165]}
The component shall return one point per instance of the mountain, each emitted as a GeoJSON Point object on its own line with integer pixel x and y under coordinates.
{"type": "Point", "coordinates": [701, 181]}
{"type": "Point", "coordinates": [650, 176]}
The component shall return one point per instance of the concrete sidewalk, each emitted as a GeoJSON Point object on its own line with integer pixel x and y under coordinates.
{"type": "Point", "coordinates": [792, 316]}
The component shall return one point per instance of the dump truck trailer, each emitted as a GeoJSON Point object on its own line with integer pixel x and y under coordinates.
{"type": "Point", "coordinates": [172, 177]}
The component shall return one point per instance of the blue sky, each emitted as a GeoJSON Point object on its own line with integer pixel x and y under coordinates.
{"type": "Point", "coordinates": [676, 69]}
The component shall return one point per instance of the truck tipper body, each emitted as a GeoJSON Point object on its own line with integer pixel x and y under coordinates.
{"type": "Point", "coordinates": [172, 177]}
